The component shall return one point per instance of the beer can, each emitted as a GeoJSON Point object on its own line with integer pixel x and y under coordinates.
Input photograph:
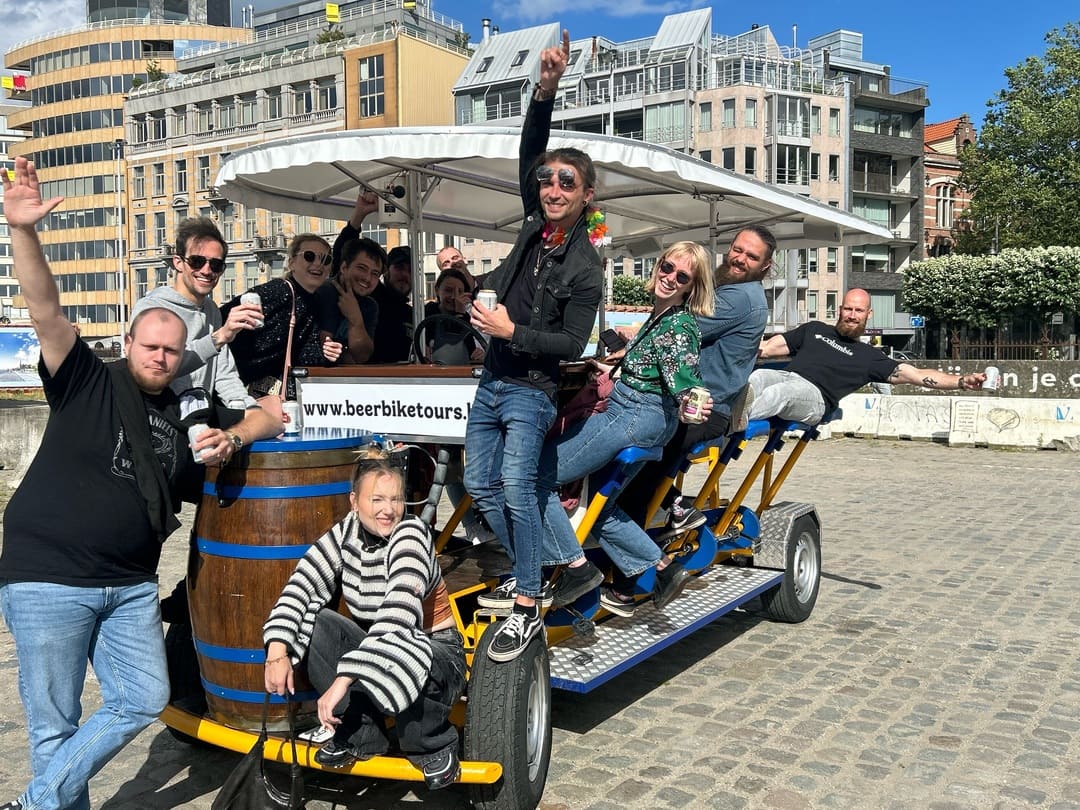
{"type": "Point", "coordinates": [488, 298]}
{"type": "Point", "coordinates": [193, 434]}
{"type": "Point", "coordinates": [290, 414]}
{"type": "Point", "coordinates": [693, 408]}
{"type": "Point", "coordinates": [993, 379]}
{"type": "Point", "coordinates": [253, 299]}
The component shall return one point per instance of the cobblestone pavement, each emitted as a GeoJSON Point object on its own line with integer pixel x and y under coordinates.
{"type": "Point", "coordinates": [940, 668]}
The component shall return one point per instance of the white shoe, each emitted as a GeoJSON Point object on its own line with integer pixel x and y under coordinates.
{"type": "Point", "coordinates": [317, 735]}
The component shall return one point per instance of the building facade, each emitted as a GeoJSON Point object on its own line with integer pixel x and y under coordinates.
{"type": "Point", "coordinates": [798, 117]}
{"type": "Point", "coordinates": [9, 286]}
{"type": "Point", "coordinates": [945, 199]}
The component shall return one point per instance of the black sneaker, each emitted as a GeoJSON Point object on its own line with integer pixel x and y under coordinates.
{"type": "Point", "coordinates": [336, 754]}
{"type": "Point", "coordinates": [669, 584]}
{"type": "Point", "coordinates": [682, 519]}
{"type": "Point", "coordinates": [502, 599]}
{"type": "Point", "coordinates": [573, 582]}
{"type": "Point", "coordinates": [10, 806]}
{"type": "Point", "coordinates": [513, 634]}
{"type": "Point", "coordinates": [614, 602]}
{"type": "Point", "coordinates": [441, 768]}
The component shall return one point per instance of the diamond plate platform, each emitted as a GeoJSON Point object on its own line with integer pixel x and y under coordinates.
{"type": "Point", "coordinates": [580, 664]}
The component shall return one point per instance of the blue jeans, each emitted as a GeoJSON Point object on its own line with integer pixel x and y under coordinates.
{"type": "Point", "coordinates": [632, 419]}
{"type": "Point", "coordinates": [506, 430]}
{"type": "Point", "coordinates": [57, 629]}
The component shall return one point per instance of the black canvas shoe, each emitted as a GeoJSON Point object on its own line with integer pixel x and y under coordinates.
{"type": "Point", "coordinates": [682, 519]}
{"type": "Point", "coordinates": [441, 769]}
{"type": "Point", "coordinates": [614, 602]}
{"type": "Point", "coordinates": [502, 599]}
{"type": "Point", "coordinates": [336, 754]}
{"type": "Point", "coordinates": [573, 582]}
{"type": "Point", "coordinates": [669, 584]}
{"type": "Point", "coordinates": [513, 634]}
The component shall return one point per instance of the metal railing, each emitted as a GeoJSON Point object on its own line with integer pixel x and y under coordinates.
{"type": "Point", "coordinates": [964, 350]}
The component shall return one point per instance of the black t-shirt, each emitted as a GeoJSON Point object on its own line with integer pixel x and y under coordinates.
{"type": "Point", "coordinates": [78, 517]}
{"type": "Point", "coordinates": [393, 335]}
{"type": "Point", "coordinates": [835, 364]}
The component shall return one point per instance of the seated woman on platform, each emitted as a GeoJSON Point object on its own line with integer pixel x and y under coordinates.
{"type": "Point", "coordinates": [397, 654]}
{"type": "Point", "coordinates": [447, 343]}
{"type": "Point", "coordinates": [656, 371]}
{"type": "Point", "coordinates": [347, 312]}
{"type": "Point", "coordinates": [260, 354]}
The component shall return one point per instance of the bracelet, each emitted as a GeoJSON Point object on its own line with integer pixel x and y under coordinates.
{"type": "Point", "coordinates": [540, 94]}
{"type": "Point", "coordinates": [270, 661]}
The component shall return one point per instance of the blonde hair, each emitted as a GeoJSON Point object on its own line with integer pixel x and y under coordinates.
{"type": "Point", "coordinates": [699, 301]}
{"type": "Point", "coordinates": [297, 242]}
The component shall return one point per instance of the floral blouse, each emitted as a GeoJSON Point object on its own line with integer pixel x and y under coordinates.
{"type": "Point", "coordinates": [665, 359]}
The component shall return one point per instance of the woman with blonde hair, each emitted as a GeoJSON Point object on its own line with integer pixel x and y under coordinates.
{"type": "Point", "coordinates": [655, 373]}
{"type": "Point", "coordinates": [289, 304]}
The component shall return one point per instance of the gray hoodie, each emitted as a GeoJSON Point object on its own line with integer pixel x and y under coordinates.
{"type": "Point", "coordinates": [203, 365]}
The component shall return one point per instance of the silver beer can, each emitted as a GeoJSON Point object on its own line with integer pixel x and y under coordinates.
{"type": "Point", "coordinates": [694, 406]}
{"type": "Point", "coordinates": [290, 414]}
{"type": "Point", "coordinates": [993, 379]}
{"type": "Point", "coordinates": [193, 434]}
{"type": "Point", "coordinates": [488, 298]}
{"type": "Point", "coordinates": [253, 299]}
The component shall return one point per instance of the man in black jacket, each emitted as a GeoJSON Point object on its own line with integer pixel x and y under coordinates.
{"type": "Point", "coordinates": [548, 290]}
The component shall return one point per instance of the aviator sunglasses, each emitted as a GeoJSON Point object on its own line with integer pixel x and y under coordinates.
{"type": "Point", "coordinates": [667, 268]}
{"type": "Point", "coordinates": [567, 180]}
{"type": "Point", "coordinates": [196, 262]}
{"type": "Point", "coordinates": [311, 257]}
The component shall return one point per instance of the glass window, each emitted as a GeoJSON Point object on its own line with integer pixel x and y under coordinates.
{"type": "Point", "coordinates": [811, 305]}
{"type": "Point", "coordinates": [179, 121]}
{"type": "Point", "coordinates": [750, 113]}
{"type": "Point", "coordinates": [834, 121]}
{"type": "Point", "coordinates": [834, 168]}
{"type": "Point", "coordinates": [945, 205]}
{"type": "Point", "coordinates": [519, 58]}
{"type": "Point", "coordinates": [727, 119]}
{"type": "Point", "coordinates": [372, 99]}
{"type": "Point", "coordinates": [485, 63]}
{"type": "Point", "coordinates": [705, 116]}
{"type": "Point", "coordinates": [750, 161]}
{"type": "Point", "coordinates": [273, 104]}
{"type": "Point", "coordinates": [728, 158]}
{"type": "Point", "coordinates": [159, 228]}
{"type": "Point", "coordinates": [158, 179]}
{"type": "Point", "coordinates": [815, 120]}
{"type": "Point", "coordinates": [815, 165]}
{"type": "Point", "coordinates": [830, 260]}
{"type": "Point", "coordinates": [202, 179]}
{"type": "Point", "coordinates": [138, 181]}
{"type": "Point", "coordinates": [830, 306]}
{"type": "Point", "coordinates": [140, 231]}
{"type": "Point", "coordinates": [180, 177]}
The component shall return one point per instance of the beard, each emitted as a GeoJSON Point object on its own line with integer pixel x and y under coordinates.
{"type": "Point", "coordinates": [851, 331]}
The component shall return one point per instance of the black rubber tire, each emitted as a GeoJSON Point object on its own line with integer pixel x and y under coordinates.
{"type": "Point", "coordinates": [418, 333]}
{"type": "Point", "coordinates": [508, 720]}
{"type": "Point", "coordinates": [793, 599]}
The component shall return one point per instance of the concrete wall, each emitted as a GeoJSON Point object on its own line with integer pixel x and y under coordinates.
{"type": "Point", "coordinates": [21, 426]}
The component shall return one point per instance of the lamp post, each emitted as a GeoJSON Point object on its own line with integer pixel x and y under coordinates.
{"type": "Point", "coordinates": [118, 176]}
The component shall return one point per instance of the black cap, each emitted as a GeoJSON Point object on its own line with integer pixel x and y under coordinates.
{"type": "Point", "coordinates": [400, 255]}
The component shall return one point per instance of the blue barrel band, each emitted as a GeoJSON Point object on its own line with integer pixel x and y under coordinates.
{"type": "Point", "coordinates": [236, 551]}
{"type": "Point", "coordinates": [234, 492]}
{"type": "Point", "coordinates": [231, 655]}
{"type": "Point", "coordinates": [243, 696]}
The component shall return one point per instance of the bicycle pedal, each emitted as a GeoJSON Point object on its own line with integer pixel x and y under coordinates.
{"type": "Point", "coordinates": [582, 625]}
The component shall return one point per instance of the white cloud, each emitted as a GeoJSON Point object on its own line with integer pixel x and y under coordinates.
{"type": "Point", "coordinates": [20, 21]}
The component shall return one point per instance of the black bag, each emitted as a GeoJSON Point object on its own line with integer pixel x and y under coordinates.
{"type": "Point", "coordinates": [249, 788]}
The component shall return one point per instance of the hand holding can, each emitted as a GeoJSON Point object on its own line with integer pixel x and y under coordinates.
{"type": "Point", "coordinates": [993, 378]}
{"type": "Point", "coordinates": [193, 434]}
{"type": "Point", "coordinates": [694, 405]}
{"type": "Point", "coordinates": [253, 299]}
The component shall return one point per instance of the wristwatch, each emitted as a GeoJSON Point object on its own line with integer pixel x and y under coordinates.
{"type": "Point", "coordinates": [237, 442]}
{"type": "Point", "coordinates": [960, 384]}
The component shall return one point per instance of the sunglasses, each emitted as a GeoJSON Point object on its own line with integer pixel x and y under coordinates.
{"type": "Point", "coordinates": [311, 257]}
{"type": "Point", "coordinates": [667, 268]}
{"type": "Point", "coordinates": [217, 266]}
{"type": "Point", "coordinates": [567, 179]}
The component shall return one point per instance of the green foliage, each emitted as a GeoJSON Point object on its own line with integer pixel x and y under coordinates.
{"type": "Point", "coordinates": [154, 73]}
{"type": "Point", "coordinates": [1024, 170]}
{"type": "Point", "coordinates": [331, 34]}
{"type": "Point", "coordinates": [983, 291]}
{"type": "Point", "coordinates": [629, 291]}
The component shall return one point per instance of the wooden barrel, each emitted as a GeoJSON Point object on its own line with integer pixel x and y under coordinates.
{"type": "Point", "coordinates": [256, 519]}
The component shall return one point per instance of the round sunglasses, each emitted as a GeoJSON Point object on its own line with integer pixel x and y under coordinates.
{"type": "Point", "coordinates": [567, 180]}
{"type": "Point", "coordinates": [197, 262]}
{"type": "Point", "coordinates": [667, 268]}
{"type": "Point", "coordinates": [311, 257]}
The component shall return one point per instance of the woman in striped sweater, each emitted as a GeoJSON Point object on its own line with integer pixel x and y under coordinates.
{"type": "Point", "coordinates": [399, 654]}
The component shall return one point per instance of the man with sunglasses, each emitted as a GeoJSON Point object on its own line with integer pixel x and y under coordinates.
{"type": "Point", "coordinates": [84, 530]}
{"type": "Point", "coordinates": [548, 291]}
{"type": "Point", "coordinates": [208, 367]}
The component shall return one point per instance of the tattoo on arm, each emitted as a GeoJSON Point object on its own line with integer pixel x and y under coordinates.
{"type": "Point", "coordinates": [929, 382]}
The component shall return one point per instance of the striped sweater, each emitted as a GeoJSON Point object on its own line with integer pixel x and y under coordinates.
{"type": "Point", "coordinates": [384, 589]}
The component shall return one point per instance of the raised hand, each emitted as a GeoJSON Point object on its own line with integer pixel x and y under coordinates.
{"type": "Point", "coordinates": [23, 206]}
{"type": "Point", "coordinates": [553, 62]}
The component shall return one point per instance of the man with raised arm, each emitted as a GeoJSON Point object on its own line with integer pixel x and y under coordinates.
{"type": "Point", "coordinates": [83, 532]}
{"type": "Point", "coordinates": [829, 362]}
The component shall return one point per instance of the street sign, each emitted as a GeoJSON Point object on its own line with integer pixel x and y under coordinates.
{"type": "Point", "coordinates": [1057, 318]}
{"type": "Point", "coordinates": [918, 322]}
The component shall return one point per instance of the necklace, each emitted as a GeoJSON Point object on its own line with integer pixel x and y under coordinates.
{"type": "Point", "coordinates": [542, 251]}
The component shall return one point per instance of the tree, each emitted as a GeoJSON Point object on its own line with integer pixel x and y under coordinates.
{"type": "Point", "coordinates": [629, 291]}
{"type": "Point", "coordinates": [331, 34]}
{"type": "Point", "coordinates": [1024, 169]}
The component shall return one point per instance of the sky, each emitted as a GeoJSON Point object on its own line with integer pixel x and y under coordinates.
{"type": "Point", "coordinates": [960, 50]}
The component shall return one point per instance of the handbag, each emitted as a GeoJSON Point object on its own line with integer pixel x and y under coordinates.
{"type": "Point", "coordinates": [270, 393]}
{"type": "Point", "coordinates": [248, 786]}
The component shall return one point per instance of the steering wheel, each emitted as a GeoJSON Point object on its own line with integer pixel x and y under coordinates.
{"type": "Point", "coordinates": [462, 326]}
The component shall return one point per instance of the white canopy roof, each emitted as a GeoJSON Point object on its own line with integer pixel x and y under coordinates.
{"type": "Point", "coordinates": [464, 181]}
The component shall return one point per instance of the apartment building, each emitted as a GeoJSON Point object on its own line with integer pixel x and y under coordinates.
{"type": "Point", "coordinates": [75, 81]}
{"type": "Point", "coordinates": [783, 114]}
{"type": "Point", "coordinates": [945, 200]}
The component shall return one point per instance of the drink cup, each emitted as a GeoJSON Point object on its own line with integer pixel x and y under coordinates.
{"type": "Point", "coordinates": [488, 298]}
{"type": "Point", "coordinates": [694, 405]}
{"type": "Point", "coordinates": [193, 434]}
{"type": "Point", "coordinates": [993, 379]}
{"type": "Point", "coordinates": [290, 414]}
{"type": "Point", "coordinates": [253, 299]}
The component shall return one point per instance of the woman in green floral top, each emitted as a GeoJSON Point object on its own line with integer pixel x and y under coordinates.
{"type": "Point", "coordinates": [656, 371]}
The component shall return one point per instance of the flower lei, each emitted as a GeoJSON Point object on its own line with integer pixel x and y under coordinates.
{"type": "Point", "coordinates": [554, 235]}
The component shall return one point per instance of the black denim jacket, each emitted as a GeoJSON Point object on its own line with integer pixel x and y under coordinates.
{"type": "Point", "coordinates": [571, 278]}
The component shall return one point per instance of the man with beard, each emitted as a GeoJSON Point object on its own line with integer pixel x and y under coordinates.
{"type": "Point", "coordinates": [829, 362]}
{"type": "Point", "coordinates": [729, 344]}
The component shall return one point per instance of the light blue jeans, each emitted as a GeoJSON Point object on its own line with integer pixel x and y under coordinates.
{"type": "Point", "coordinates": [632, 419]}
{"type": "Point", "coordinates": [787, 395]}
{"type": "Point", "coordinates": [57, 629]}
{"type": "Point", "coordinates": [507, 425]}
